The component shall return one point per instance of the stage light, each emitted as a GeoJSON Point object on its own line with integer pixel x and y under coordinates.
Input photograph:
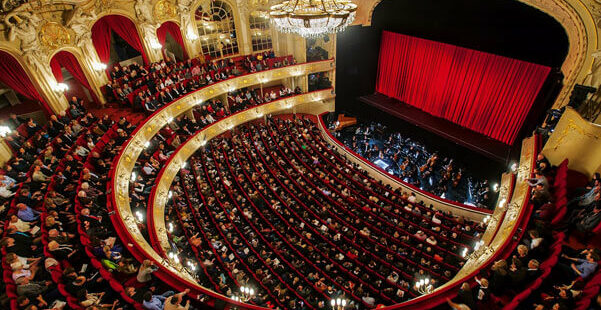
{"type": "Point", "coordinates": [147, 144]}
{"type": "Point", "coordinates": [495, 187]}
{"type": "Point", "coordinates": [133, 176]}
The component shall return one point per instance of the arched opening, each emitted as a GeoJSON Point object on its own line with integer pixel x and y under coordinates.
{"type": "Point", "coordinates": [215, 23]}
{"type": "Point", "coordinates": [170, 37]}
{"type": "Point", "coordinates": [66, 69]}
{"type": "Point", "coordinates": [17, 93]}
{"type": "Point", "coordinates": [116, 40]}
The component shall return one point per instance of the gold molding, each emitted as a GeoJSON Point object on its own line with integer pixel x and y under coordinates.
{"type": "Point", "coordinates": [125, 162]}
{"type": "Point", "coordinates": [195, 142]}
{"type": "Point", "coordinates": [576, 139]}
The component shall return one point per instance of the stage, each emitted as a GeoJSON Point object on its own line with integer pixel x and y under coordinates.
{"type": "Point", "coordinates": [472, 140]}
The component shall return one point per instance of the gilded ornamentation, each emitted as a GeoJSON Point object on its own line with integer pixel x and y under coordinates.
{"type": "Point", "coordinates": [570, 127]}
{"type": "Point", "coordinates": [164, 9]}
{"type": "Point", "coordinates": [54, 35]}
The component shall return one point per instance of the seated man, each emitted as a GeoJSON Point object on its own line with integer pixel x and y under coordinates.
{"type": "Point", "coordinates": [155, 302]}
{"type": "Point", "coordinates": [27, 214]}
{"type": "Point", "coordinates": [586, 221]}
{"type": "Point", "coordinates": [582, 268]}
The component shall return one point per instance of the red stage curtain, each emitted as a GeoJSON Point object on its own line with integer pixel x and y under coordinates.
{"type": "Point", "coordinates": [15, 77]}
{"type": "Point", "coordinates": [70, 63]}
{"type": "Point", "coordinates": [123, 27]}
{"type": "Point", "coordinates": [486, 93]}
{"type": "Point", "coordinates": [173, 29]}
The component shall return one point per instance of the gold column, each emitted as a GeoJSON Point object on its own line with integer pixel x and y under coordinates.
{"type": "Point", "coordinates": [95, 74]}
{"type": "Point", "coordinates": [152, 47]}
{"type": "Point", "coordinates": [242, 22]}
{"type": "Point", "coordinates": [190, 35]}
{"type": "Point", "coordinates": [45, 82]}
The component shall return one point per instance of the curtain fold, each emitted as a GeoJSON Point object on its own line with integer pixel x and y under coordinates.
{"type": "Point", "coordinates": [123, 27]}
{"type": "Point", "coordinates": [101, 38]}
{"type": "Point", "coordinates": [175, 32]}
{"type": "Point", "coordinates": [70, 63]}
{"type": "Point", "coordinates": [15, 77]}
{"type": "Point", "coordinates": [486, 93]}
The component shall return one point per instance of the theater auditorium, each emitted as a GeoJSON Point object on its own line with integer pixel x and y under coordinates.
{"type": "Point", "coordinates": [300, 154]}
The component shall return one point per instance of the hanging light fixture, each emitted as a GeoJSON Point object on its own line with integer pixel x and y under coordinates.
{"type": "Point", "coordinates": [313, 18]}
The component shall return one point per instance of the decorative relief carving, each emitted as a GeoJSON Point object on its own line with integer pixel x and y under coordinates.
{"type": "Point", "coordinates": [571, 127]}
{"type": "Point", "coordinates": [54, 35]}
{"type": "Point", "coordinates": [164, 9]}
{"type": "Point", "coordinates": [143, 10]}
{"type": "Point", "coordinates": [81, 23]}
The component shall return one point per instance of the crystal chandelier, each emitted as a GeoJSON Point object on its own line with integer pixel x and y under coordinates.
{"type": "Point", "coordinates": [312, 18]}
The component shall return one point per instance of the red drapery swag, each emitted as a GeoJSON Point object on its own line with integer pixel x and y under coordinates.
{"type": "Point", "coordinates": [15, 77]}
{"type": "Point", "coordinates": [486, 93]}
{"type": "Point", "coordinates": [70, 63]}
{"type": "Point", "coordinates": [173, 29]}
{"type": "Point", "coordinates": [123, 27]}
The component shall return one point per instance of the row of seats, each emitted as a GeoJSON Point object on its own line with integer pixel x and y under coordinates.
{"type": "Point", "coordinates": [247, 214]}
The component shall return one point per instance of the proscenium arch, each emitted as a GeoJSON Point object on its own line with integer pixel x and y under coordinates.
{"type": "Point", "coordinates": [573, 15]}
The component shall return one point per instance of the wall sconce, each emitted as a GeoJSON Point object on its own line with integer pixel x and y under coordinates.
{"type": "Point", "coordinates": [191, 35]}
{"type": "Point", "coordinates": [155, 45]}
{"type": "Point", "coordinates": [61, 87]}
{"type": "Point", "coordinates": [98, 66]}
{"type": "Point", "coordinates": [4, 131]}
